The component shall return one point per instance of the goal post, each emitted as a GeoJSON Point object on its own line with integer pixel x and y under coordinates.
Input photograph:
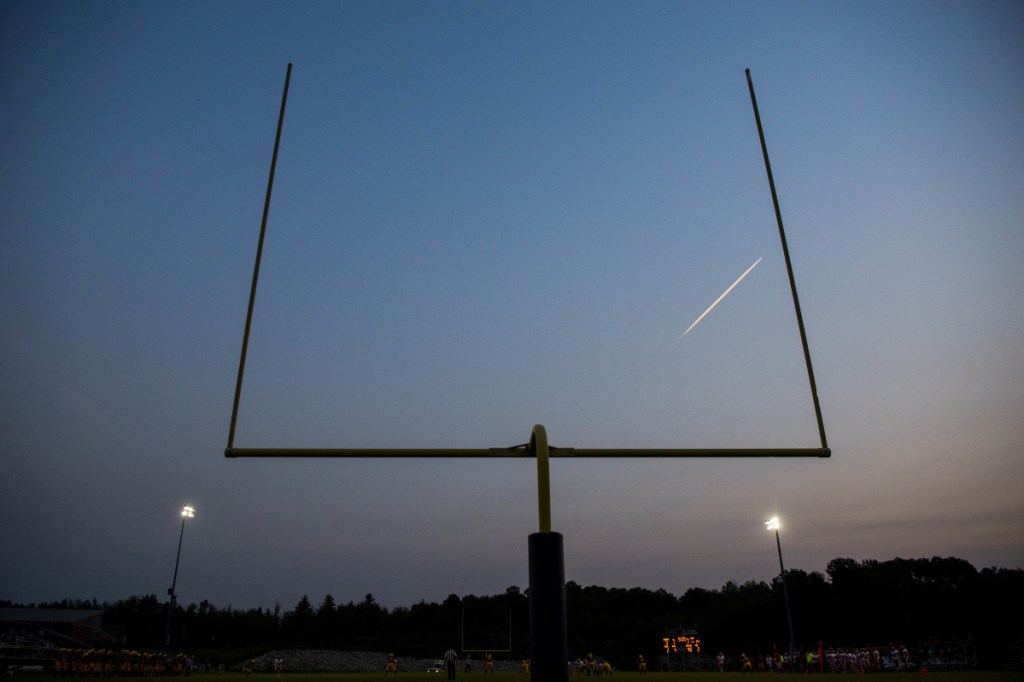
{"type": "Point", "coordinates": [547, 578]}
{"type": "Point", "coordinates": [492, 635]}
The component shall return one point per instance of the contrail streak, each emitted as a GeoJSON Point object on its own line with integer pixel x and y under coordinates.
{"type": "Point", "coordinates": [719, 299]}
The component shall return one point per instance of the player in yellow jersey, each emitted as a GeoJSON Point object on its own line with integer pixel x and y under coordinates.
{"type": "Point", "coordinates": [642, 665]}
{"type": "Point", "coordinates": [488, 664]}
{"type": "Point", "coordinates": [392, 666]}
{"type": "Point", "coordinates": [58, 662]}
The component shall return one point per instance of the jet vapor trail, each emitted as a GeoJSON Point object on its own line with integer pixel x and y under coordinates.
{"type": "Point", "coordinates": [718, 300]}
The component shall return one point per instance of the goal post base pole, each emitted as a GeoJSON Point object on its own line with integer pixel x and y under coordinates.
{"type": "Point", "coordinates": [549, 646]}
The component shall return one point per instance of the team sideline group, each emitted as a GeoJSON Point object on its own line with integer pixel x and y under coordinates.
{"type": "Point", "coordinates": [130, 663]}
{"type": "Point", "coordinates": [119, 663]}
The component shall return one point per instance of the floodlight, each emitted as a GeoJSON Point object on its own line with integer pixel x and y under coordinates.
{"type": "Point", "coordinates": [187, 512]}
{"type": "Point", "coordinates": [773, 524]}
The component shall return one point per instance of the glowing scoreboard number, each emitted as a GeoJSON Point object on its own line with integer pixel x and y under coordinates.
{"type": "Point", "coordinates": [689, 644]}
{"type": "Point", "coordinates": [681, 641]}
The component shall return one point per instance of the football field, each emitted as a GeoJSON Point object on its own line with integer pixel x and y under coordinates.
{"type": "Point", "coordinates": [955, 676]}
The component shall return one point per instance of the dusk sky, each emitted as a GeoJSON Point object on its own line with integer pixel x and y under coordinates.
{"type": "Point", "coordinates": [490, 215]}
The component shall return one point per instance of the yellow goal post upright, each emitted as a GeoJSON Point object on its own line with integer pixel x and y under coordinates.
{"type": "Point", "coordinates": [548, 640]}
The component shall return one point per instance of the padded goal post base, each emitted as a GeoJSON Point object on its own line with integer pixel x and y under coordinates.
{"type": "Point", "coordinates": [549, 646]}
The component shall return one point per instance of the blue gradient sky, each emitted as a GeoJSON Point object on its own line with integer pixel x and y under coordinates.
{"type": "Point", "coordinates": [491, 215]}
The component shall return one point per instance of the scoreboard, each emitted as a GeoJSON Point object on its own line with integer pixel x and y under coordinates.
{"type": "Point", "coordinates": [681, 641]}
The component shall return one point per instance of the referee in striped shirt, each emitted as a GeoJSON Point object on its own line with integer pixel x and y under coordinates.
{"type": "Point", "coordinates": [451, 661]}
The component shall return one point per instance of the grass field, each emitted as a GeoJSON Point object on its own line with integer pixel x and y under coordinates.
{"type": "Point", "coordinates": [955, 676]}
{"type": "Point", "coordinates": [958, 676]}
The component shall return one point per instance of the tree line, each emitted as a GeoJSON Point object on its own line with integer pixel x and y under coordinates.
{"type": "Point", "coordinates": [854, 603]}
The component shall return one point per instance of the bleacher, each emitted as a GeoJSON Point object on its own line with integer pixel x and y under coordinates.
{"type": "Point", "coordinates": [29, 638]}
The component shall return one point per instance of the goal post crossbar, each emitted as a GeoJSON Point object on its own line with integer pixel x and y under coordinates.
{"type": "Point", "coordinates": [484, 453]}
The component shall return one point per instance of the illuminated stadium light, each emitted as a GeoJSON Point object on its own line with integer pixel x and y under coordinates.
{"type": "Point", "coordinates": [773, 524]}
{"type": "Point", "coordinates": [187, 512]}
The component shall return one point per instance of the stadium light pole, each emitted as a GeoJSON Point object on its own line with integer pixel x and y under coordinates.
{"type": "Point", "coordinates": [187, 512]}
{"type": "Point", "coordinates": [773, 524]}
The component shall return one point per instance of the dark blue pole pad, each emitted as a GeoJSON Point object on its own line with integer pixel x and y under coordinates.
{"type": "Point", "coordinates": [549, 648]}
